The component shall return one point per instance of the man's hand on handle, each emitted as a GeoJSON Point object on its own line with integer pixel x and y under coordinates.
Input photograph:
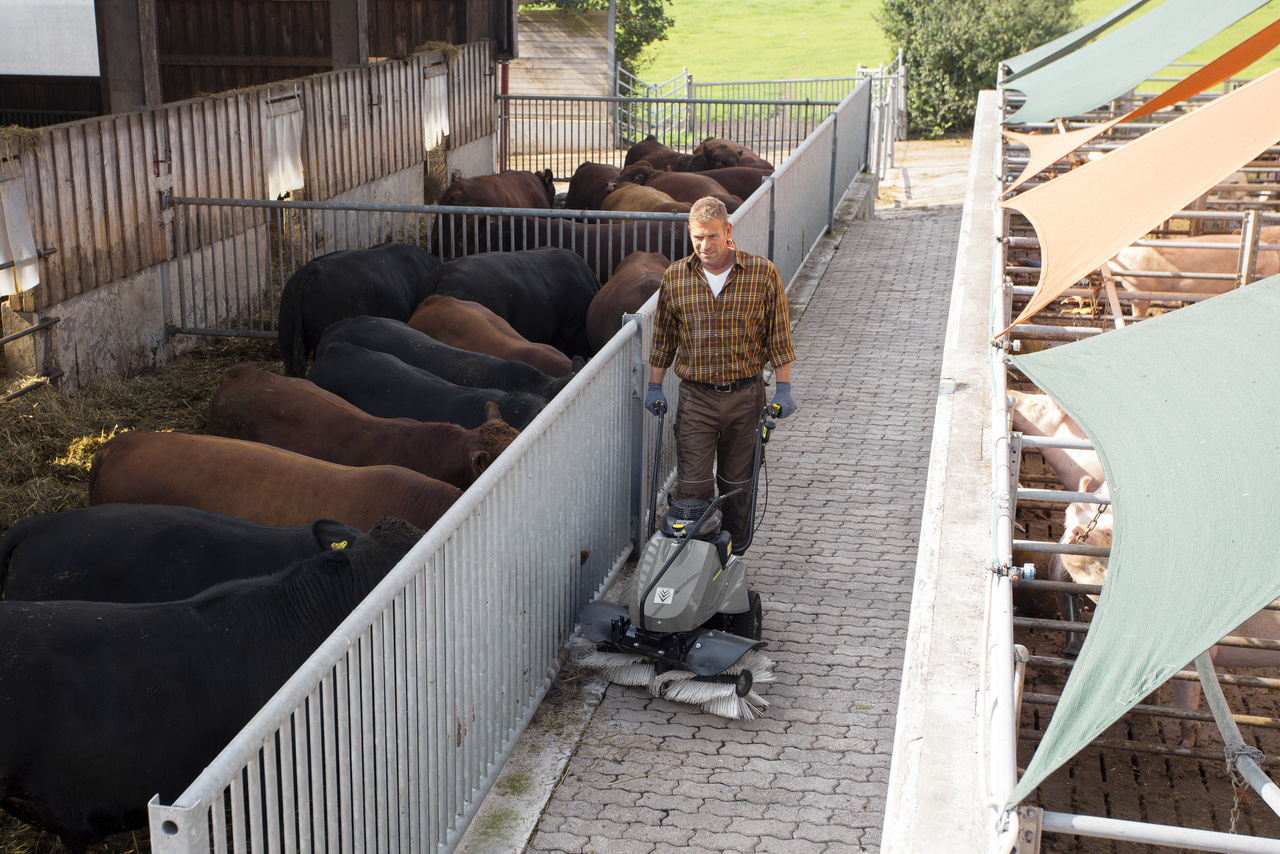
{"type": "Point", "coordinates": [655, 398]}
{"type": "Point", "coordinates": [781, 397]}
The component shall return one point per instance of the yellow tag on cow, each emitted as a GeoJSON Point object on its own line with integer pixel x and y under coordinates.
{"type": "Point", "coordinates": [341, 545]}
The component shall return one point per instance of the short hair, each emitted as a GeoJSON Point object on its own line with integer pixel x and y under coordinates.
{"type": "Point", "coordinates": [708, 209]}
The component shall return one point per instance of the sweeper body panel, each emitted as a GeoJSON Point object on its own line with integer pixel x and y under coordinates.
{"type": "Point", "coordinates": [688, 628]}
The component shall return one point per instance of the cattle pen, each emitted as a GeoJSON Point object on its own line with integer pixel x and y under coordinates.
{"type": "Point", "coordinates": [392, 733]}
{"type": "Point", "coordinates": [1141, 781]}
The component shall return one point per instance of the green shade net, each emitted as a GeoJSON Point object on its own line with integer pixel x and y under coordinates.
{"type": "Point", "coordinates": [1184, 410]}
{"type": "Point", "coordinates": [1124, 58]}
{"type": "Point", "coordinates": [1024, 63]}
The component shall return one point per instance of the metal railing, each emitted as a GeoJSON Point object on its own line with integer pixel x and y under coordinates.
{"type": "Point", "coordinates": [231, 286]}
{"type": "Point", "coordinates": [233, 256]}
{"type": "Point", "coordinates": [888, 110]}
{"type": "Point", "coordinates": [559, 133]}
{"type": "Point", "coordinates": [390, 735]}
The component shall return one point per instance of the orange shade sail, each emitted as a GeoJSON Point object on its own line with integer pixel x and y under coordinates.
{"type": "Point", "coordinates": [1048, 148]}
{"type": "Point", "coordinates": [1085, 216]}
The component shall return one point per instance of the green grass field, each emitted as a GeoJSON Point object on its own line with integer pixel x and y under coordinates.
{"type": "Point", "coordinates": [769, 40]}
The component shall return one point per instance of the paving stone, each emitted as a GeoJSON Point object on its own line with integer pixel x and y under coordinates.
{"type": "Point", "coordinates": [833, 562]}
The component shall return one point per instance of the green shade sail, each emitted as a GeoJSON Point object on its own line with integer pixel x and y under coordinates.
{"type": "Point", "coordinates": [1122, 59]}
{"type": "Point", "coordinates": [1024, 63]}
{"type": "Point", "coordinates": [1184, 410]}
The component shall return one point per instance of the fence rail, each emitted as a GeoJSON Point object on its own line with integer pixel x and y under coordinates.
{"type": "Point", "coordinates": [390, 735]}
{"type": "Point", "coordinates": [559, 133]}
{"type": "Point", "coordinates": [94, 187]}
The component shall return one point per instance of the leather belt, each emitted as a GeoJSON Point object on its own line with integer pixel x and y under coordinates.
{"type": "Point", "coordinates": [725, 388]}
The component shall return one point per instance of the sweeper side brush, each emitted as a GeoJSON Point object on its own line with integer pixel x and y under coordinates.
{"type": "Point", "coordinates": [689, 629]}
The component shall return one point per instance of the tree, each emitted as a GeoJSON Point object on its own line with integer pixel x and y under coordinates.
{"type": "Point", "coordinates": [640, 23]}
{"type": "Point", "coordinates": [951, 49]}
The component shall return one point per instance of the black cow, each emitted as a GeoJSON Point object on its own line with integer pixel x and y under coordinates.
{"type": "Point", "coordinates": [106, 704]}
{"type": "Point", "coordinates": [543, 293]}
{"type": "Point", "coordinates": [148, 552]}
{"type": "Point", "coordinates": [384, 386]}
{"type": "Point", "coordinates": [460, 367]}
{"type": "Point", "coordinates": [386, 281]}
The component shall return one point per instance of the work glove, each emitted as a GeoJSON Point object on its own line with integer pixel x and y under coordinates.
{"type": "Point", "coordinates": [655, 397]}
{"type": "Point", "coordinates": [782, 397]}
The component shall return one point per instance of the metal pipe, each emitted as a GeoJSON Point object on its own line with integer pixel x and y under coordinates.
{"type": "Point", "coordinates": [1037, 547]}
{"type": "Point", "coordinates": [1063, 496]}
{"type": "Point", "coordinates": [1234, 744]}
{"type": "Point", "coordinates": [1232, 679]}
{"type": "Point", "coordinates": [1153, 711]}
{"type": "Point", "coordinates": [1056, 442]}
{"type": "Point", "coordinates": [1124, 745]}
{"type": "Point", "coordinates": [1157, 834]}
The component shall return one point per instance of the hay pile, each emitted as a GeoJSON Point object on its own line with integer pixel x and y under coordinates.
{"type": "Point", "coordinates": [47, 440]}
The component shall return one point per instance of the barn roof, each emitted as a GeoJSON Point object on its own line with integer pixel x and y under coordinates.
{"type": "Point", "coordinates": [1183, 411]}
{"type": "Point", "coordinates": [1108, 67]}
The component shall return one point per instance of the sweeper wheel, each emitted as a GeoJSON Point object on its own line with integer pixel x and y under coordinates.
{"type": "Point", "coordinates": [750, 623]}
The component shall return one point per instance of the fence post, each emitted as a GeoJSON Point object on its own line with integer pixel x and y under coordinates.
{"type": "Point", "coordinates": [639, 385]}
{"type": "Point", "coordinates": [773, 183]}
{"type": "Point", "coordinates": [831, 190]}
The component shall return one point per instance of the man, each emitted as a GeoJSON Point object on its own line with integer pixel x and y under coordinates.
{"type": "Point", "coordinates": [722, 314]}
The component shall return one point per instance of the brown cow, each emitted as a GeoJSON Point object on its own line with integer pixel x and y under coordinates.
{"type": "Point", "coordinates": [510, 189]}
{"type": "Point", "coordinates": [470, 326]}
{"type": "Point", "coordinates": [636, 279]}
{"type": "Point", "coordinates": [721, 151]}
{"type": "Point", "coordinates": [259, 483]}
{"type": "Point", "coordinates": [586, 187]}
{"type": "Point", "coordinates": [740, 181]}
{"type": "Point", "coordinates": [637, 197]}
{"type": "Point", "coordinates": [602, 245]}
{"type": "Point", "coordinates": [711, 153]}
{"type": "Point", "coordinates": [681, 186]}
{"type": "Point", "coordinates": [1130, 263]}
{"type": "Point", "coordinates": [299, 416]}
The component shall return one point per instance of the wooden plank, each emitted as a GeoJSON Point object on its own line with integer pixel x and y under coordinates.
{"type": "Point", "coordinates": [133, 158]}
{"type": "Point", "coordinates": [68, 240]}
{"type": "Point", "coordinates": [32, 178]}
{"type": "Point", "coordinates": [219, 62]}
{"type": "Point", "coordinates": [93, 203]}
{"type": "Point", "coordinates": [82, 212]}
{"type": "Point", "coordinates": [142, 133]}
{"type": "Point", "coordinates": [321, 119]}
{"type": "Point", "coordinates": [362, 125]}
{"type": "Point", "coordinates": [112, 165]}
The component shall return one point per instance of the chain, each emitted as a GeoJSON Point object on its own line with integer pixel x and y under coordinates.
{"type": "Point", "coordinates": [1238, 783]}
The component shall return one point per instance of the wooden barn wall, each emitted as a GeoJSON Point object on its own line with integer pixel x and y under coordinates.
{"type": "Point", "coordinates": [36, 100]}
{"type": "Point", "coordinates": [562, 54]}
{"type": "Point", "coordinates": [93, 187]}
{"type": "Point", "coordinates": [398, 26]}
{"type": "Point", "coordinates": [211, 46]}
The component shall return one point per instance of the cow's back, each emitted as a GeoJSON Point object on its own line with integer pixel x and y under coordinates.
{"type": "Point", "coordinates": [388, 281]}
{"type": "Point", "coordinates": [468, 325]}
{"type": "Point", "coordinates": [148, 553]}
{"type": "Point", "coordinates": [543, 293]}
{"type": "Point", "coordinates": [259, 483]}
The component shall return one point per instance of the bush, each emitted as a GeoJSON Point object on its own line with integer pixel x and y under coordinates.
{"type": "Point", "coordinates": [951, 49]}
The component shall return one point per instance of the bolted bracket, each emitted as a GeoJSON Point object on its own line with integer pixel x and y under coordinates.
{"type": "Point", "coordinates": [1030, 822]}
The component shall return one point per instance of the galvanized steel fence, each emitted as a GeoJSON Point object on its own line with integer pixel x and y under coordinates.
{"type": "Point", "coordinates": [561, 132]}
{"type": "Point", "coordinates": [390, 735]}
{"type": "Point", "coordinates": [392, 732]}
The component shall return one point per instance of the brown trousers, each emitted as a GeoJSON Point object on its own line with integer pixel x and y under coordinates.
{"type": "Point", "coordinates": [715, 428]}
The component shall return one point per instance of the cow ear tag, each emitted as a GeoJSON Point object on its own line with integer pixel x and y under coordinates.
{"type": "Point", "coordinates": [336, 546]}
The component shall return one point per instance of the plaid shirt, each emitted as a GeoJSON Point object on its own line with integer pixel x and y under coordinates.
{"type": "Point", "coordinates": [725, 338]}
